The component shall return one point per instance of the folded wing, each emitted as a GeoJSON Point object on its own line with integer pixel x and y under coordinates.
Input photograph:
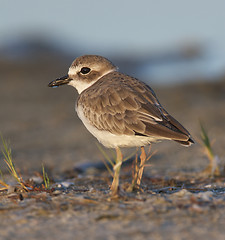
{"type": "Point", "coordinates": [130, 107]}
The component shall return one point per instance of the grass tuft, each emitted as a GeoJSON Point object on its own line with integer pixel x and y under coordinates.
{"type": "Point", "coordinates": [108, 159]}
{"type": "Point", "coordinates": [213, 168]}
{"type": "Point", "coordinates": [45, 178]}
{"type": "Point", "coordinates": [7, 153]}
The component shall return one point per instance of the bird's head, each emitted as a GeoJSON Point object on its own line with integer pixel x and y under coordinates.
{"type": "Point", "coordinates": [85, 71]}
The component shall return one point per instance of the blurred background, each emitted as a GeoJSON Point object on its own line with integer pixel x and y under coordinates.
{"type": "Point", "coordinates": [178, 47]}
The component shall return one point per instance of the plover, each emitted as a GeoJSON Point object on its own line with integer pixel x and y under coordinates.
{"type": "Point", "coordinates": [119, 110]}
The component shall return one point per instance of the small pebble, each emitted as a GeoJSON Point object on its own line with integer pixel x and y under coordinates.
{"type": "Point", "coordinates": [182, 193]}
{"type": "Point", "coordinates": [205, 196]}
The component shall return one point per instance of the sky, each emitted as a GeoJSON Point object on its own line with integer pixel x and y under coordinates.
{"type": "Point", "coordinates": [124, 27]}
{"type": "Point", "coordinates": [118, 25]}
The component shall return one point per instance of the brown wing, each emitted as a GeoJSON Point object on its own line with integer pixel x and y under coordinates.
{"type": "Point", "coordinates": [123, 105]}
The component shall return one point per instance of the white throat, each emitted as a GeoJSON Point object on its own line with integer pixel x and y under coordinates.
{"type": "Point", "coordinates": [80, 85]}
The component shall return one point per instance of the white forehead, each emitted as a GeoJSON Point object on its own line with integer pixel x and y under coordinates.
{"type": "Point", "coordinates": [72, 71]}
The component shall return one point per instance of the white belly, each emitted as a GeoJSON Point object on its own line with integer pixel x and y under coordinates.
{"type": "Point", "coordinates": [111, 140]}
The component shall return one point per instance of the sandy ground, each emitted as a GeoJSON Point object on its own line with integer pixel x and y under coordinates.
{"type": "Point", "coordinates": [42, 127]}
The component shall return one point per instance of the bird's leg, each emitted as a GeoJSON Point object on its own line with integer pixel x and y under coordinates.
{"type": "Point", "coordinates": [116, 168]}
{"type": "Point", "coordinates": [143, 158]}
{"type": "Point", "coordinates": [138, 170]}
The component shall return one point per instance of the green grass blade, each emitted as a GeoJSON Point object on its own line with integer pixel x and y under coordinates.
{"type": "Point", "coordinates": [7, 153]}
{"type": "Point", "coordinates": [206, 140]}
{"type": "Point", "coordinates": [105, 155]}
{"type": "Point", "coordinates": [45, 178]}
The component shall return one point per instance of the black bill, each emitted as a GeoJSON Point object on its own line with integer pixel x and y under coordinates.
{"type": "Point", "coordinates": [60, 81]}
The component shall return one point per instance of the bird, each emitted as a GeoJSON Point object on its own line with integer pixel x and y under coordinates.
{"type": "Point", "coordinates": [119, 110]}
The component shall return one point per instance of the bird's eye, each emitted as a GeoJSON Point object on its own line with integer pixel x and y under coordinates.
{"type": "Point", "coordinates": [85, 70]}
